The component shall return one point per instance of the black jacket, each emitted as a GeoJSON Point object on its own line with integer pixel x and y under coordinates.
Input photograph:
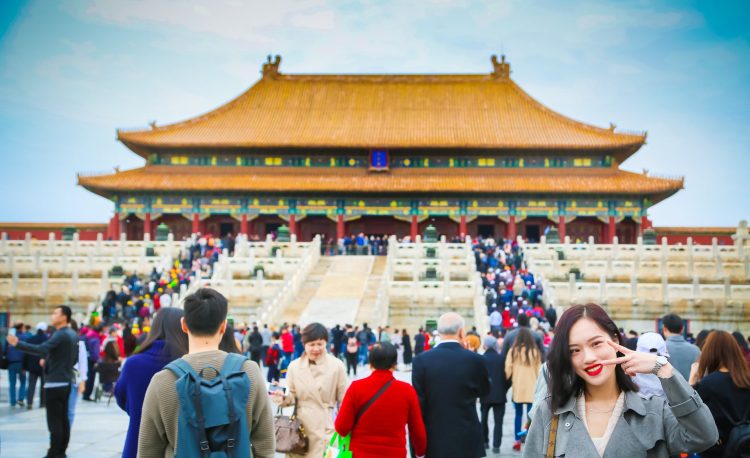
{"type": "Point", "coordinates": [31, 362]}
{"type": "Point", "coordinates": [499, 385]}
{"type": "Point", "coordinates": [448, 380]}
{"type": "Point", "coordinates": [60, 352]}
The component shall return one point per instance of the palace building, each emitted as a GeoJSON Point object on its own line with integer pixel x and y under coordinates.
{"type": "Point", "coordinates": [383, 154]}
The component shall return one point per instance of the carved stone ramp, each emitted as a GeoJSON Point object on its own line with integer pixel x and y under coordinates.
{"type": "Point", "coordinates": [341, 292]}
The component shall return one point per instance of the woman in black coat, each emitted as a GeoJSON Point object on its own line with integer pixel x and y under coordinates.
{"type": "Point", "coordinates": [406, 345]}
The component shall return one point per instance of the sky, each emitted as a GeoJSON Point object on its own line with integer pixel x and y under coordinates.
{"type": "Point", "coordinates": [73, 72]}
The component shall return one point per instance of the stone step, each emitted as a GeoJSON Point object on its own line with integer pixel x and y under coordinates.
{"type": "Point", "coordinates": [340, 293]}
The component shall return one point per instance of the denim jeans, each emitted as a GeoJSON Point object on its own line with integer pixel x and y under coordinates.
{"type": "Point", "coordinates": [519, 416]}
{"type": "Point", "coordinates": [15, 371]}
{"type": "Point", "coordinates": [72, 401]}
{"type": "Point", "coordinates": [363, 354]}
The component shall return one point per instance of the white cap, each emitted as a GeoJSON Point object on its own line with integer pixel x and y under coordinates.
{"type": "Point", "coordinates": [651, 342]}
{"type": "Point", "coordinates": [41, 326]}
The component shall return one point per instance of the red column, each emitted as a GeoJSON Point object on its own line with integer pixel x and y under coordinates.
{"type": "Point", "coordinates": [196, 223]}
{"type": "Point", "coordinates": [611, 230]}
{"type": "Point", "coordinates": [243, 225]}
{"type": "Point", "coordinates": [292, 224]}
{"type": "Point", "coordinates": [561, 229]}
{"type": "Point", "coordinates": [114, 227]}
{"type": "Point", "coordinates": [414, 227]}
{"type": "Point", "coordinates": [147, 225]}
{"type": "Point", "coordinates": [462, 227]}
{"type": "Point", "coordinates": [340, 230]}
{"type": "Point", "coordinates": [512, 227]}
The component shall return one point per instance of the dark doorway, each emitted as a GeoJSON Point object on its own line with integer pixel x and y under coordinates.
{"type": "Point", "coordinates": [486, 230]}
{"type": "Point", "coordinates": [272, 228]}
{"type": "Point", "coordinates": [532, 233]}
{"type": "Point", "coordinates": [225, 228]}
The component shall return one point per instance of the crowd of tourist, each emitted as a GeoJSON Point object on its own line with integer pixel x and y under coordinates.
{"type": "Point", "coordinates": [579, 385]}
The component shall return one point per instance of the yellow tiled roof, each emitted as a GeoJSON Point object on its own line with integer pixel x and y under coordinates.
{"type": "Point", "coordinates": [385, 111]}
{"type": "Point", "coordinates": [359, 180]}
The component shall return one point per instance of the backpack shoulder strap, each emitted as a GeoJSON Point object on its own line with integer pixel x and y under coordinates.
{"type": "Point", "coordinates": [180, 367]}
{"type": "Point", "coordinates": [233, 363]}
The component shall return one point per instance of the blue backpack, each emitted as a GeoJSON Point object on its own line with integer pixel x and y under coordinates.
{"type": "Point", "coordinates": [212, 419]}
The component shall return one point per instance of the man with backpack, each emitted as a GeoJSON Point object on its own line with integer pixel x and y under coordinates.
{"type": "Point", "coordinates": [208, 402]}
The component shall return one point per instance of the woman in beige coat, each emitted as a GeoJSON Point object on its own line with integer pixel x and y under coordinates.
{"type": "Point", "coordinates": [317, 383]}
{"type": "Point", "coordinates": [522, 366]}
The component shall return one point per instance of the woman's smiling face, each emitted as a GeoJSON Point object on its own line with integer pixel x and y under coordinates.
{"type": "Point", "coordinates": [588, 348]}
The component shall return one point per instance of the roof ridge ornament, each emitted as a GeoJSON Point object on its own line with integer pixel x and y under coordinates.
{"type": "Point", "coordinates": [271, 67]}
{"type": "Point", "coordinates": [500, 70]}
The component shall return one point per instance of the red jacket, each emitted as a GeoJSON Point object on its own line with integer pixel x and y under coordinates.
{"type": "Point", "coordinates": [287, 342]}
{"type": "Point", "coordinates": [380, 431]}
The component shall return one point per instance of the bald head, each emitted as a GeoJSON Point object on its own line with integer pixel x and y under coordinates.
{"type": "Point", "coordinates": [450, 325]}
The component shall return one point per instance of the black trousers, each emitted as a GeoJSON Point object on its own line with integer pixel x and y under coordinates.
{"type": "Point", "coordinates": [33, 378]}
{"type": "Point", "coordinates": [498, 411]}
{"type": "Point", "coordinates": [57, 420]}
{"type": "Point", "coordinates": [90, 381]}
{"type": "Point", "coordinates": [351, 362]}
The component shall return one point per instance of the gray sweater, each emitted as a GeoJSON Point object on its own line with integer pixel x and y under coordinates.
{"type": "Point", "coordinates": [157, 437]}
{"type": "Point", "coordinates": [682, 354]}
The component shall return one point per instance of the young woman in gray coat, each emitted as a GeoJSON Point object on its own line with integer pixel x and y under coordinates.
{"type": "Point", "coordinates": [596, 405]}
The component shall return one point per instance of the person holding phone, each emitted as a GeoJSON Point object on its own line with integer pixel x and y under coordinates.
{"type": "Point", "coordinates": [61, 354]}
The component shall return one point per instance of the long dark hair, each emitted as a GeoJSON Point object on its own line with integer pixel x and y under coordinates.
{"type": "Point", "coordinates": [228, 342]}
{"type": "Point", "coordinates": [564, 383]}
{"type": "Point", "coordinates": [166, 326]}
{"type": "Point", "coordinates": [524, 347]}
{"type": "Point", "coordinates": [721, 350]}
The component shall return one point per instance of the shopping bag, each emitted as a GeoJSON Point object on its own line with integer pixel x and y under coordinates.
{"type": "Point", "coordinates": [338, 447]}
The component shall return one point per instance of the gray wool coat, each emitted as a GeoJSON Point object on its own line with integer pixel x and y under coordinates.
{"type": "Point", "coordinates": [649, 427]}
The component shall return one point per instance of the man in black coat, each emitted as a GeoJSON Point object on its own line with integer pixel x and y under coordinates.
{"type": "Point", "coordinates": [61, 354]}
{"type": "Point", "coordinates": [448, 380]}
{"type": "Point", "coordinates": [495, 399]}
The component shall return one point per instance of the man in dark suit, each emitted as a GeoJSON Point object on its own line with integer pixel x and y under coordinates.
{"type": "Point", "coordinates": [495, 400]}
{"type": "Point", "coordinates": [448, 380]}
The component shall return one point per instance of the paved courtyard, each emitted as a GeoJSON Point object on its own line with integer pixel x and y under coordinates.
{"type": "Point", "coordinates": [99, 430]}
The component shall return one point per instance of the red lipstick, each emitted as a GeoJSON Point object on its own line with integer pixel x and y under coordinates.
{"type": "Point", "coordinates": [594, 369]}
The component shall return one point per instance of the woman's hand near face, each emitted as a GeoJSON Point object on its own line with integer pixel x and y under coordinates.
{"type": "Point", "coordinates": [635, 362]}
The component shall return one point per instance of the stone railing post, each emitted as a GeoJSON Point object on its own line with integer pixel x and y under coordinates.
{"type": "Point", "coordinates": [719, 268]}
{"type": "Point", "coordinates": [602, 289]}
{"type": "Point", "coordinates": [690, 256]}
{"type": "Point", "coordinates": [665, 288]}
{"type": "Point", "coordinates": [615, 247]}
{"type": "Point", "coordinates": [14, 283]}
{"type": "Point", "coordinates": [51, 244]}
{"type": "Point", "coordinates": [571, 288]}
{"type": "Point", "coordinates": [121, 248]}
{"type": "Point", "coordinates": [259, 283]}
{"type": "Point", "coordinates": [696, 288]}
{"type": "Point", "coordinates": [45, 282]}
{"type": "Point", "coordinates": [74, 282]}
{"type": "Point", "coordinates": [727, 289]}
{"type": "Point", "coordinates": [27, 243]}
{"type": "Point", "coordinates": [715, 247]}
{"type": "Point", "coordinates": [98, 247]}
{"type": "Point", "coordinates": [3, 243]}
